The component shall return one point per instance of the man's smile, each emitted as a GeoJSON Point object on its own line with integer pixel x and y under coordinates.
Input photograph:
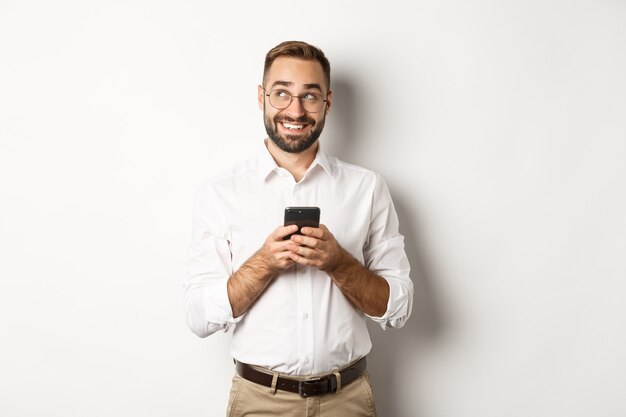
{"type": "Point", "coordinates": [294, 126]}
{"type": "Point", "coordinates": [291, 126]}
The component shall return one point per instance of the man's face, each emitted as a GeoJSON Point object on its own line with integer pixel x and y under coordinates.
{"type": "Point", "coordinates": [294, 129]}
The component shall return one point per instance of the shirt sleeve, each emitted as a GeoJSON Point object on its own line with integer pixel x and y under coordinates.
{"type": "Point", "coordinates": [384, 255]}
{"type": "Point", "coordinates": [209, 265]}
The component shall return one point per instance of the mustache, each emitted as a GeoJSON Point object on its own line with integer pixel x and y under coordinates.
{"type": "Point", "coordinates": [303, 119]}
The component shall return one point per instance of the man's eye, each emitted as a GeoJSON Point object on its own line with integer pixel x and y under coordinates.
{"type": "Point", "coordinates": [310, 96]}
{"type": "Point", "coordinates": [281, 93]}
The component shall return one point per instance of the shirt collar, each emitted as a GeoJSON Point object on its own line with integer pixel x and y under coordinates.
{"type": "Point", "coordinates": [267, 165]}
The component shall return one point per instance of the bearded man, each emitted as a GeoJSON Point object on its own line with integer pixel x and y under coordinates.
{"type": "Point", "coordinates": [297, 299]}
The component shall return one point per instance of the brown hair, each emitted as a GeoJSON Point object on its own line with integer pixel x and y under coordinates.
{"type": "Point", "coordinates": [300, 50]}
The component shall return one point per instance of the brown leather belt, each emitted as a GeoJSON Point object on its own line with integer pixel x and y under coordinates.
{"type": "Point", "coordinates": [306, 388]}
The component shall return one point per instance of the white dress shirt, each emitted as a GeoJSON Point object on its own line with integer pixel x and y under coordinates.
{"type": "Point", "coordinates": [302, 324]}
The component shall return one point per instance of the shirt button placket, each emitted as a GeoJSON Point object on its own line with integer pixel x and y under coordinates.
{"type": "Point", "coordinates": [304, 299]}
{"type": "Point", "coordinates": [294, 194]}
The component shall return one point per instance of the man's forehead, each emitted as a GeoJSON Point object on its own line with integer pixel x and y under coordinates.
{"type": "Point", "coordinates": [288, 70]}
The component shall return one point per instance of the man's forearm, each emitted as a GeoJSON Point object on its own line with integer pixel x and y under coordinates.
{"type": "Point", "coordinates": [250, 280]}
{"type": "Point", "coordinates": [366, 290]}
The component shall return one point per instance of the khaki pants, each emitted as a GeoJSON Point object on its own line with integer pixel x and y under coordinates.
{"type": "Point", "coordinates": [253, 400]}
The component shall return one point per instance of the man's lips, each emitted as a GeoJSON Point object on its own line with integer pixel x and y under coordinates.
{"type": "Point", "coordinates": [294, 127]}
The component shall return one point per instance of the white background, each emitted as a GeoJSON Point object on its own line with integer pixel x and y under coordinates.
{"type": "Point", "coordinates": [498, 125]}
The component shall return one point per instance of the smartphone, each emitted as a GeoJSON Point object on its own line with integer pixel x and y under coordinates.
{"type": "Point", "coordinates": [303, 217]}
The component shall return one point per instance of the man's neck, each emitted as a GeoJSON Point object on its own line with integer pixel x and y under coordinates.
{"type": "Point", "coordinates": [295, 163]}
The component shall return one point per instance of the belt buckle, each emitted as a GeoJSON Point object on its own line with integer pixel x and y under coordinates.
{"type": "Point", "coordinates": [312, 383]}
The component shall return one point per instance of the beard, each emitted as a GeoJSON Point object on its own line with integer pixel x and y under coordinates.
{"type": "Point", "coordinates": [293, 143]}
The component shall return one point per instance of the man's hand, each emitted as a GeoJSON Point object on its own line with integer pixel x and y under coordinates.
{"type": "Point", "coordinates": [275, 252]}
{"type": "Point", "coordinates": [251, 279]}
{"type": "Point", "coordinates": [316, 247]}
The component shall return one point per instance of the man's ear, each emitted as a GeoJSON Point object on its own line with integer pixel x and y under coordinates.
{"type": "Point", "coordinates": [260, 97]}
{"type": "Point", "coordinates": [329, 99]}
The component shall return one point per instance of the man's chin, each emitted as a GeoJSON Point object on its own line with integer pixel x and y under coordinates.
{"type": "Point", "coordinates": [293, 143]}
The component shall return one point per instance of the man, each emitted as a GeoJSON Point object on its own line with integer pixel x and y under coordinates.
{"type": "Point", "coordinates": [298, 304]}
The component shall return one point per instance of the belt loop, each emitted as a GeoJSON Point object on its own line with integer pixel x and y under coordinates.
{"type": "Point", "coordinates": [274, 383]}
{"type": "Point", "coordinates": [338, 376]}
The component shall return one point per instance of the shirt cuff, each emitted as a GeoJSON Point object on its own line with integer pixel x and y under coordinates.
{"type": "Point", "coordinates": [398, 306]}
{"type": "Point", "coordinates": [209, 309]}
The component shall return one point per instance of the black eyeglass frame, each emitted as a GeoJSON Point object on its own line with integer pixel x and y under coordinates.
{"type": "Point", "coordinates": [291, 100]}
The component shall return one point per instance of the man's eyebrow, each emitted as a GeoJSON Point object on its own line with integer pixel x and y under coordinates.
{"type": "Point", "coordinates": [283, 83]}
{"type": "Point", "coordinates": [313, 86]}
{"type": "Point", "coordinates": [310, 86]}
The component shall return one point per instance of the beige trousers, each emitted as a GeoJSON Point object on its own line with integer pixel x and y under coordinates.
{"type": "Point", "coordinates": [253, 400]}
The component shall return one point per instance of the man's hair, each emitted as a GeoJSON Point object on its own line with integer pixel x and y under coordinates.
{"type": "Point", "coordinates": [300, 50]}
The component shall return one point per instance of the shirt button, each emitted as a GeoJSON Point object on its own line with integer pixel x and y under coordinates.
{"type": "Point", "coordinates": [306, 315]}
{"type": "Point", "coordinates": [306, 360]}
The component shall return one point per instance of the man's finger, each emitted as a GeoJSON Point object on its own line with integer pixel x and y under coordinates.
{"type": "Point", "coordinates": [282, 256]}
{"type": "Point", "coordinates": [304, 251]}
{"type": "Point", "coordinates": [305, 240]}
{"type": "Point", "coordinates": [280, 245]}
{"type": "Point", "coordinates": [283, 231]}
{"type": "Point", "coordinates": [313, 232]}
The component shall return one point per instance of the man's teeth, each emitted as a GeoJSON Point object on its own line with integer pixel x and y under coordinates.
{"type": "Point", "coordinates": [293, 127]}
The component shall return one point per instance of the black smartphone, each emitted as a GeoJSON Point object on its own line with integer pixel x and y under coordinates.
{"type": "Point", "coordinates": [303, 217]}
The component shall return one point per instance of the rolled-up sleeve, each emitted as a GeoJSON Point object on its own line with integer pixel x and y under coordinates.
{"type": "Point", "coordinates": [208, 268]}
{"type": "Point", "coordinates": [384, 255]}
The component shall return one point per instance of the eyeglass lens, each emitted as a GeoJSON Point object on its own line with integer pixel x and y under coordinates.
{"type": "Point", "coordinates": [281, 99]}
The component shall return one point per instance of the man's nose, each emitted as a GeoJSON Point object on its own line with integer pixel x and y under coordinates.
{"type": "Point", "coordinates": [295, 108]}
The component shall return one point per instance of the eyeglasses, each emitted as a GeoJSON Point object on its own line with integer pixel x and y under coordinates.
{"type": "Point", "coordinates": [281, 99]}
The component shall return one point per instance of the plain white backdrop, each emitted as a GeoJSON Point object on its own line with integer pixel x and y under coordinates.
{"type": "Point", "coordinates": [500, 127]}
